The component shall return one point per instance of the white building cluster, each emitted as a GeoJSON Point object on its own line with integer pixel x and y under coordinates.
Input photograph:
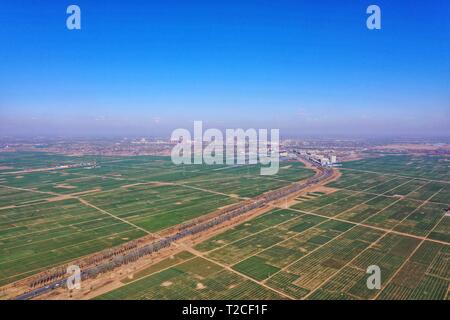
{"type": "Point", "coordinates": [323, 160]}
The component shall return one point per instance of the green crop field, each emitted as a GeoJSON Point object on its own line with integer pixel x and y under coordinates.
{"type": "Point", "coordinates": [194, 279]}
{"type": "Point", "coordinates": [49, 217]}
{"type": "Point", "coordinates": [157, 207]}
{"type": "Point", "coordinates": [38, 236]}
{"type": "Point", "coordinates": [385, 211]}
{"type": "Point", "coordinates": [428, 167]}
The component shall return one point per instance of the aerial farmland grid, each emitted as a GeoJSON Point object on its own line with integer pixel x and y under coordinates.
{"type": "Point", "coordinates": [387, 211]}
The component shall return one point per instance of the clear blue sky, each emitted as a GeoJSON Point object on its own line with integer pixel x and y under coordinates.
{"type": "Point", "coordinates": [148, 67]}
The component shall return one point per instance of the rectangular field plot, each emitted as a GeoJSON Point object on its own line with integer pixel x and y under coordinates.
{"type": "Point", "coordinates": [394, 214]}
{"type": "Point", "coordinates": [246, 181]}
{"type": "Point", "coordinates": [377, 183]}
{"type": "Point", "coordinates": [357, 179]}
{"type": "Point", "coordinates": [36, 180]}
{"type": "Point", "coordinates": [443, 196]}
{"type": "Point", "coordinates": [442, 230]}
{"type": "Point", "coordinates": [144, 169]}
{"type": "Point", "coordinates": [423, 220]}
{"type": "Point", "coordinates": [255, 267]}
{"type": "Point", "coordinates": [61, 182]}
{"type": "Point", "coordinates": [156, 207]}
{"type": "Point", "coordinates": [14, 197]}
{"type": "Point", "coordinates": [154, 168]}
{"type": "Point", "coordinates": [388, 185]}
{"type": "Point", "coordinates": [311, 271]}
{"type": "Point", "coordinates": [252, 244]}
{"type": "Point", "coordinates": [388, 253]}
{"type": "Point", "coordinates": [35, 237]}
{"type": "Point", "coordinates": [162, 265]}
{"type": "Point", "coordinates": [269, 242]}
{"type": "Point", "coordinates": [293, 171]}
{"type": "Point", "coordinates": [429, 167]}
{"type": "Point", "coordinates": [76, 184]}
{"type": "Point", "coordinates": [428, 191]}
{"type": "Point", "coordinates": [194, 279]}
{"type": "Point", "coordinates": [369, 208]}
{"type": "Point", "coordinates": [406, 188]}
{"type": "Point", "coordinates": [322, 200]}
{"type": "Point", "coordinates": [425, 276]}
{"type": "Point", "coordinates": [243, 186]}
{"type": "Point", "coordinates": [278, 256]}
{"type": "Point", "coordinates": [340, 206]}
{"type": "Point", "coordinates": [265, 221]}
{"type": "Point", "coordinates": [371, 182]}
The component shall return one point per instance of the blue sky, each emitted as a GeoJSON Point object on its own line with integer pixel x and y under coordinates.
{"type": "Point", "coordinates": [148, 67]}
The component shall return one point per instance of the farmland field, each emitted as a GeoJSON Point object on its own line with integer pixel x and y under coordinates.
{"type": "Point", "coordinates": [380, 213]}
{"type": "Point", "coordinates": [37, 236]}
{"type": "Point", "coordinates": [50, 217]}
{"type": "Point", "coordinates": [193, 279]}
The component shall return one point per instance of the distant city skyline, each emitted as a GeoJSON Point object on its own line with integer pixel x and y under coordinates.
{"type": "Point", "coordinates": [144, 68]}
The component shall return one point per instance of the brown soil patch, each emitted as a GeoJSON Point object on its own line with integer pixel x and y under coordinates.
{"type": "Point", "coordinates": [200, 286]}
{"type": "Point", "coordinates": [65, 186]}
{"type": "Point", "coordinates": [324, 189]}
{"type": "Point", "coordinates": [85, 192]}
{"type": "Point", "coordinates": [59, 198]}
{"type": "Point", "coordinates": [155, 184]}
{"type": "Point", "coordinates": [166, 284]}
